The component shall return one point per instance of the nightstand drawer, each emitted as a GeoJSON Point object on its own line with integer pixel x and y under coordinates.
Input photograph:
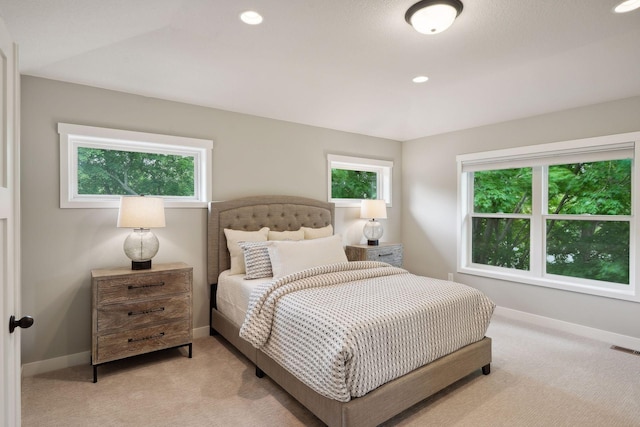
{"type": "Point", "coordinates": [384, 253]}
{"type": "Point", "coordinates": [390, 253]}
{"type": "Point", "coordinates": [137, 341]}
{"type": "Point", "coordinates": [116, 316]}
{"type": "Point", "coordinates": [116, 290]}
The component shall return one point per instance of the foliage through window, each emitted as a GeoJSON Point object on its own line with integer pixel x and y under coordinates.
{"type": "Point", "coordinates": [99, 165]}
{"type": "Point", "coordinates": [502, 237]}
{"type": "Point", "coordinates": [579, 246]}
{"type": "Point", "coordinates": [353, 184]}
{"type": "Point", "coordinates": [352, 179]}
{"type": "Point", "coordinates": [108, 172]}
{"type": "Point", "coordinates": [561, 217]}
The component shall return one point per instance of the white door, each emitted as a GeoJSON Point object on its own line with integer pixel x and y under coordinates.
{"type": "Point", "coordinates": [9, 230]}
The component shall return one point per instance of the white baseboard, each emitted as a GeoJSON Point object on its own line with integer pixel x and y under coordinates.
{"type": "Point", "coordinates": [42, 366]}
{"type": "Point", "coordinates": [201, 332]}
{"type": "Point", "coordinates": [580, 330]}
{"type": "Point", "coordinates": [48, 365]}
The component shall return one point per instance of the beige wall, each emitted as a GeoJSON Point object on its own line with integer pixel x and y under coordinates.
{"type": "Point", "coordinates": [251, 156]}
{"type": "Point", "coordinates": [430, 197]}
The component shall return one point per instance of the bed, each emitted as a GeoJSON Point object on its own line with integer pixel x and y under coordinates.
{"type": "Point", "coordinates": [288, 214]}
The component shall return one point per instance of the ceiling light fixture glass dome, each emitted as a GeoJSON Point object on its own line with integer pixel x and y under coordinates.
{"type": "Point", "coordinates": [433, 16]}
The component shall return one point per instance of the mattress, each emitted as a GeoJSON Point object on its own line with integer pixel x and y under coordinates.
{"type": "Point", "coordinates": [233, 293]}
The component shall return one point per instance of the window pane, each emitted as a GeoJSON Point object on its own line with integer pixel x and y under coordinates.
{"type": "Point", "coordinates": [502, 191]}
{"type": "Point", "coordinates": [113, 172]}
{"type": "Point", "coordinates": [501, 242]}
{"type": "Point", "coordinates": [352, 184]}
{"type": "Point", "coordinates": [597, 250]}
{"type": "Point", "coordinates": [597, 188]}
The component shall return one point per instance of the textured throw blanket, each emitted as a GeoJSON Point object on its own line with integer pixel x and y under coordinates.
{"type": "Point", "coordinates": [345, 329]}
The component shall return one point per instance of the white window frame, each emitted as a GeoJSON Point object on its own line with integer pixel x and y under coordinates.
{"type": "Point", "coordinates": [539, 157]}
{"type": "Point", "coordinates": [74, 136]}
{"type": "Point", "coordinates": [383, 169]}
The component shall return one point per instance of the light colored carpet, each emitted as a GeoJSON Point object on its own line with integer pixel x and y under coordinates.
{"type": "Point", "coordinates": [539, 377]}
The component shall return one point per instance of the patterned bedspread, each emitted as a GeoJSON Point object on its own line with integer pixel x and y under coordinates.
{"type": "Point", "coordinates": [345, 329]}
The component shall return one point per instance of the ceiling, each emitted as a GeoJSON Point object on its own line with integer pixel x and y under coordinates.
{"type": "Point", "coordinates": [339, 64]}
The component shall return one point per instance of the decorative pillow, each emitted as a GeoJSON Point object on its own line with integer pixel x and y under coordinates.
{"type": "Point", "coordinates": [316, 233]}
{"type": "Point", "coordinates": [237, 255]}
{"type": "Point", "coordinates": [286, 235]}
{"type": "Point", "coordinates": [290, 257]}
{"type": "Point", "coordinates": [256, 259]}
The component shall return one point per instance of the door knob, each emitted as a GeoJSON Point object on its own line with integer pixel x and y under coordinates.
{"type": "Point", "coordinates": [24, 323]}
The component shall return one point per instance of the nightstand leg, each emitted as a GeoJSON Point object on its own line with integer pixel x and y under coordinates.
{"type": "Point", "coordinates": [95, 373]}
{"type": "Point", "coordinates": [190, 350]}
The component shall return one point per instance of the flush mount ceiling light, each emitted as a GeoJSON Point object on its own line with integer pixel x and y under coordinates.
{"type": "Point", "coordinates": [627, 6]}
{"type": "Point", "coordinates": [433, 16]}
{"type": "Point", "coordinates": [251, 17]}
{"type": "Point", "coordinates": [420, 79]}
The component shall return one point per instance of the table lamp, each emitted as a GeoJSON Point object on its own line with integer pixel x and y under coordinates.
{"type": "Point", "coordinates": [372, 209]}
{"type": "Point", "coordinates": [141, 213]}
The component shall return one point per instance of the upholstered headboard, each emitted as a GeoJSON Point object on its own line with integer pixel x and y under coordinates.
{"type": "Point", "coordinates": [279, 213]}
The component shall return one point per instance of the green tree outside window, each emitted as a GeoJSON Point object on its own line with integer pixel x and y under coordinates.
{"type": "Point", "coordinates": [583, 247]}
{"type": "Point", "coordinates": [353, 184]}
{"type": "Point", "coordinates": [114, 172]}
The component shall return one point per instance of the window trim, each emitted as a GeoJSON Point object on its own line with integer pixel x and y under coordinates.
{"type": "Point", "coordinates": [538, 156]}
{"type": "Point", "coordinates": [383, 169]}
{"type": "Point", "coordinates": [73, 136]}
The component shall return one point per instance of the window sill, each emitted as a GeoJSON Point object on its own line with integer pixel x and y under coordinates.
{"type": "Point", "coordinates": [94, 204]}
{"type": "Point", "coordinates": [550, 281]}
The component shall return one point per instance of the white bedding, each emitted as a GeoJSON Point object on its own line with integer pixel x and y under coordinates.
{"type": "Point", "coordinates": [345, 329]}
{"type": "Point", "coordinates": [233, 293]}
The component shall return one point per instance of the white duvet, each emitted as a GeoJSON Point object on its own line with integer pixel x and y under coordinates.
{"type": "Point", "coordinates": [345, 329]}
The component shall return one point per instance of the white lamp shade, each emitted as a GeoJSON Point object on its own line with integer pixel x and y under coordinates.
{"type": "Point", "coordinates": [373, 209]}
{"type": "Point", "coordinates": [141, 212]}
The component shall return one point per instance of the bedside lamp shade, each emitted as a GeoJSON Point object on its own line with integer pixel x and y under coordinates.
{"type": "Point", "coordinates": [141, 213]}
{"type": "Point", "coordinates": [373, 209]}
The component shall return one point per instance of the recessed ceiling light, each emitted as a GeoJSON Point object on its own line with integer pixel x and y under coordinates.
{"type": "Point", "coordinates": [627, 6]}
{"type": "Point", "coordinates": [420, 79]}
{"type": "Point", "coordinates": [251, 17]}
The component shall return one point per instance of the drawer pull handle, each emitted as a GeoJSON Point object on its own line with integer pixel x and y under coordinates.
{"type": "Point", "coordinates": [387, 254]}
{"type": "Point", "coordinates": [150, 337]}
{"type": "Point", "coordinates": [150, 285]}
{"type": "Point", "coordinates": [151, 310]}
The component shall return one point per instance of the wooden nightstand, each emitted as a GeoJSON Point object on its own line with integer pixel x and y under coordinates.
{"type": "Point", "coordinates": [386, 252]}
{"type": "Point", "coordinates": [139, 311]}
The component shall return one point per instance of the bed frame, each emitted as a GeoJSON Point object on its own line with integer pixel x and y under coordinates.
{"type": "Point", "coordinates": [281, 213]}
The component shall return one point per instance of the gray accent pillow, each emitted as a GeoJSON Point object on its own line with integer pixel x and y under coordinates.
{"type": "Point", "coordinates": [256, 259]}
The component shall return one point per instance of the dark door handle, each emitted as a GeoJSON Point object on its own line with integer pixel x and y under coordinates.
{"type": "Point", "coordinates": [23, 323]}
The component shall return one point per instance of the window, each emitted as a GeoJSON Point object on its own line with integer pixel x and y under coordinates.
{"type": "Point", "coordinates": [98, 165]}
{"type": "Point", "coordinates": [352, 179]}
{"type": "Point", "coordinates": [559, 215]}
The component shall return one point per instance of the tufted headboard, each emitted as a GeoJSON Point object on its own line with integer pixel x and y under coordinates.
{"type": "Point", "coordinates": [279, 213]}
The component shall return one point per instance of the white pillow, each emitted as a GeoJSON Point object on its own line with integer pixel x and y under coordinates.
{"type": "Point", "coordinates": [289, 257]}
{"type": "Point", "coordinates": [286, 235]}
{"type": "Point", "coordinates": [237, 255]}
{"type": "Point", "coordinates": [316, 233]}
